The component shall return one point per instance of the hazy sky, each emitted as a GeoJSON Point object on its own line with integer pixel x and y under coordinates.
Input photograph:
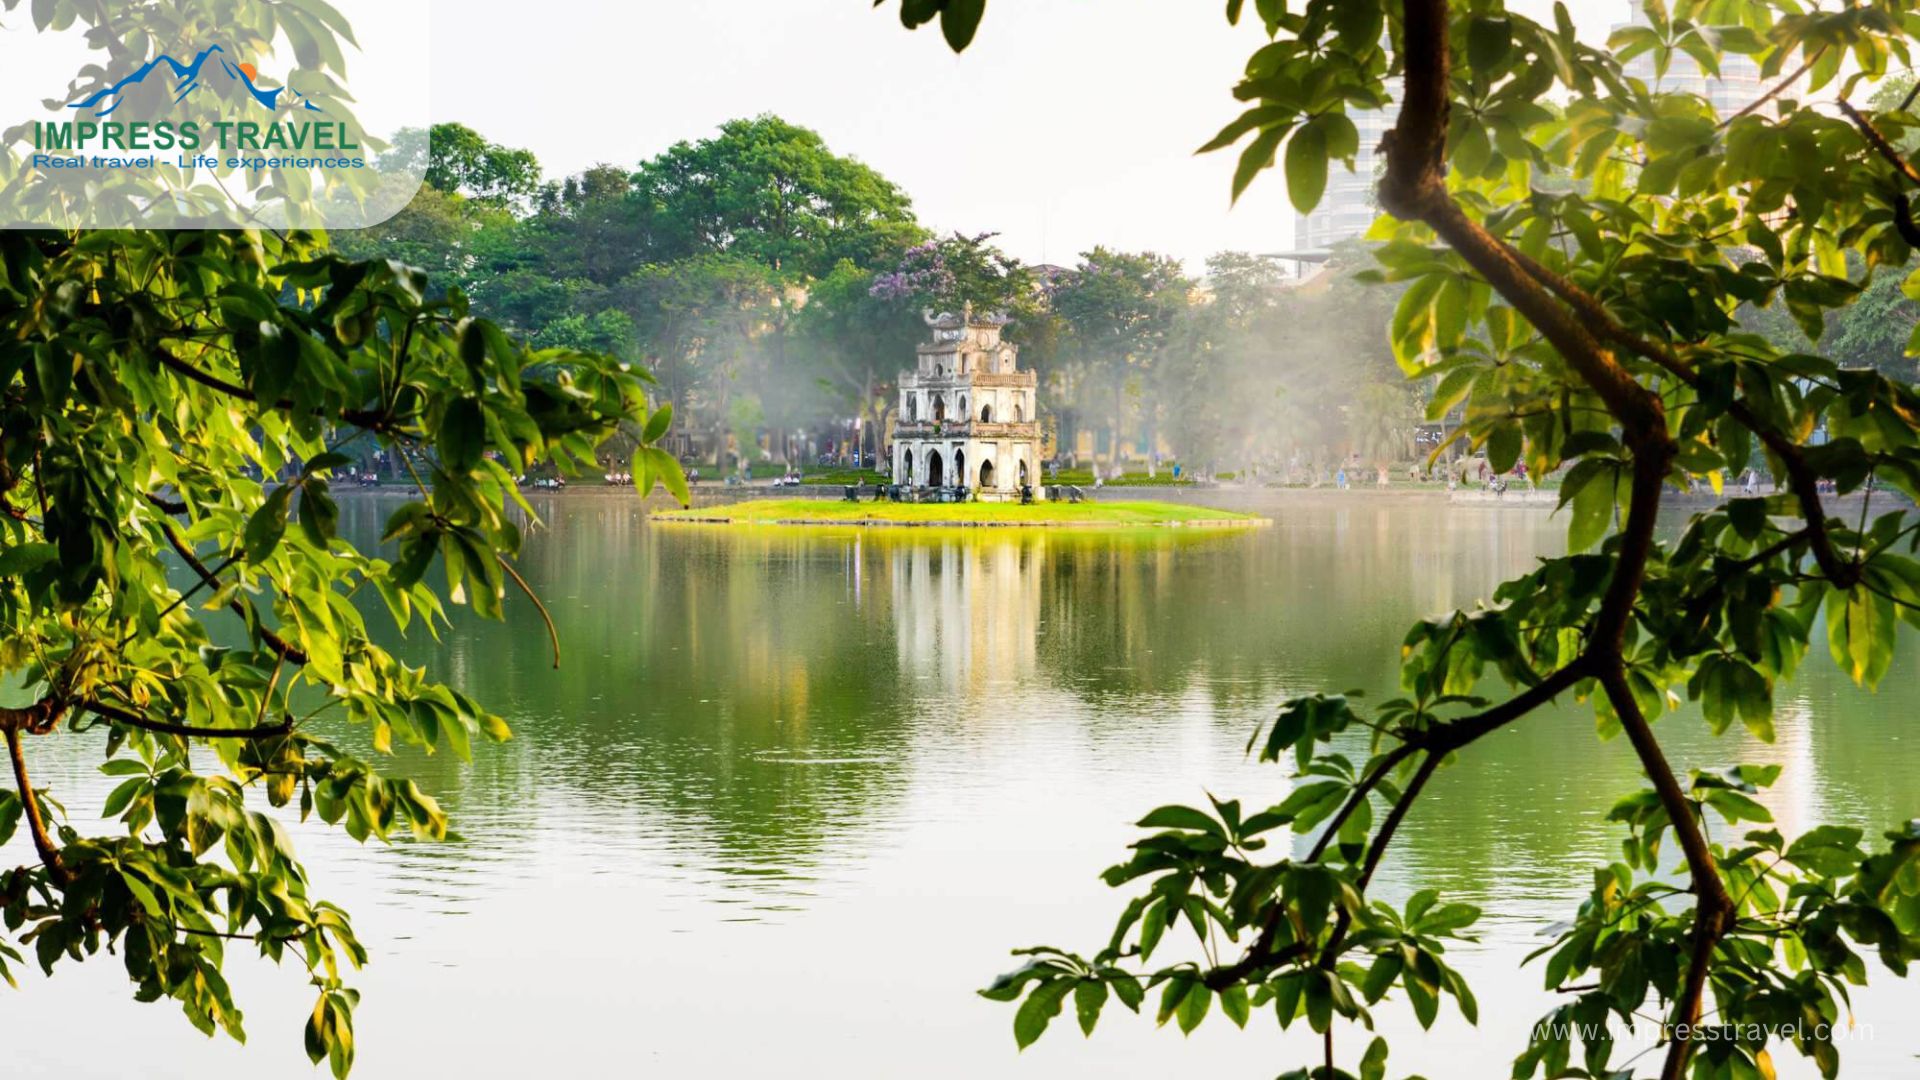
{"type": "Point", "coordinates": [1068, 123]}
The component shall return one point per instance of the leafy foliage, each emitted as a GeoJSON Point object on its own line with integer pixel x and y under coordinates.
{"type": "Point", "coordinates": [1574, 244]}
{"type": "Point", "coordinates": [174, 407]}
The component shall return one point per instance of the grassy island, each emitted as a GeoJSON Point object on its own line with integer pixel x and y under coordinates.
{"type": "Point", "coordinates": [840, 512]}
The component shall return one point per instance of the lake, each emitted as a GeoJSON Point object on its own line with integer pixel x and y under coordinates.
{"type": "Point", "coordinates": [794, 794]}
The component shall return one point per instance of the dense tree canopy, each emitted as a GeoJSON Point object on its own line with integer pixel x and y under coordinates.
{"type": "Point", "coordinates": [1574, 243]}
{"type": "Point", "coordinates": [174, 409]}
{"type": "Point", "coordinates": [454, 158]}
{"type": "Point", "coordinates": [769, 191]}
{"type": "Point", "coordinates": [727, 300]}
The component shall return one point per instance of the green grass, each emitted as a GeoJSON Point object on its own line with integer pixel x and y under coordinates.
{"type": "Point", "coordinates": [1084, 478]}
{"type": "Point", "coordinates": [831, 512]}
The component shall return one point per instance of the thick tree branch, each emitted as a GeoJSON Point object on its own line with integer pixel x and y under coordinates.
{"type": "Point", "coordinates": [35, 719]}
{"type": "Point", "coordinates": [1453, 735]}
{"type": "Point", "coordinates": [36, 824]}
{"type": "Point", "coordinates": [1414, 188]}
{"type": "Point", "coordinates": [1801, 477]}
{"type": "Point", "coordinates": [191, 731]}
{"type": "Point", "coordinates": [1713, 907]}
{"type": "Point", "coordinates": [1879, 143]}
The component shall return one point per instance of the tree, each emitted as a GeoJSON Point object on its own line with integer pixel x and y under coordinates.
{"type": "Point", "coordinates": [1565, 236]}
{"type": "Point", "coordinates": [769, 191]}
{"type": "Point", "coordinates": [701, 324]}
{"type": "Point", "coordinates": [173, 406]}
{"type": "Point", "coordinates": [1116, 310]}
{"type": "Point", "coordinates": [456, 159]}
{"type": "Point", "coordinates": [857, 341]}
{"type": "Point", "coordinates": [1381, 420]}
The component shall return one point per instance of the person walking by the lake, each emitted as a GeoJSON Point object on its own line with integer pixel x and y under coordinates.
{"type": "Point", "coordinates": [1340, 478]}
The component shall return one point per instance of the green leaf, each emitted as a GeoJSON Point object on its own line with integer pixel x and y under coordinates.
{"type": "Point", "coordinates": [267, 525]}
{"type": "Point", "coordinates": [661, 466]}
{"type": "Point", "coordinates": [53, 371]}
{"type": "Point", "coordinates": [1860, 633]}
{"type": "Point", "coordinates": [462, 435]}
{"type": "Point", "coordinates": [1182, 817]}
{"type": "Point", "coordinates": [1035, 1013]}
{"type": "Point", "coordinates": [10, 810]}
{"type": "Point", "coordinates": [1373, 1064]}
{"type": "Point", "coordinates": [319, 514]}
{"type": "Point", "coordinates": [959, 20]}
{"type": "Point", "coordinates": [1088, 998]}
{"type": "Point", "coordinates": [657, 424]}
{"type": "Point", "coordinates": [25, 558]}
{"type": "Point", "coordinates": [1592, 515]}
{"type": "Point", "coordinates": [1235, 1004]}
{"type": "Point", "coordinates": [1307, 165]}
{"type": "Point", "coordinates": [1503, 447]}
{"type": "Point", "coordinates": [1256, 157]}
{"type": "Point", "coordinates": [1193, 1007]}
{"type": "Point", "coordinates": [1489, 39]}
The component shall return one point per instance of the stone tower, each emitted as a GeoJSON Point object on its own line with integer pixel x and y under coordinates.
{"type": "Point", "coordinates": [967, 413]}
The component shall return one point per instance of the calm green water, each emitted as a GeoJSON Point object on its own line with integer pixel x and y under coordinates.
{"type": "Point", "coordinates": [794, 794]}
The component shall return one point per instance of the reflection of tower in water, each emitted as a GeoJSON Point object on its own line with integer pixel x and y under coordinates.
{"type": "Point", "coordinates": [967, 611]}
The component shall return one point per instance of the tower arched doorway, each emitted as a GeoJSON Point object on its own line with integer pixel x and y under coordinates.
{"type": "Point", "coordinates": [906, 468]}
{"type": "Point", "coordinates": [939, 407]}
{"type": "Point", "coordinates": [986, 414]}
{"type": "Point", "coordinates": [986, 476]}
{"type": "Point", "coordinates": [1024, 481]}
{"type": "Point", "coordinates": [959, 466]}
{"type": "Point", "coordinates": [934, 479]}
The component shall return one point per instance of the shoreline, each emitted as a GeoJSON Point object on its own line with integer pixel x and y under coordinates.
{"type": "Point", "coordinates": [883, 523]}
{"type": "Point", "coordinates": [975, 515]}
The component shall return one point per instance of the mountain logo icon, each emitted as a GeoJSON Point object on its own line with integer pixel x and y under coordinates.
{"type": "Point", "coordinates": [211, 67]}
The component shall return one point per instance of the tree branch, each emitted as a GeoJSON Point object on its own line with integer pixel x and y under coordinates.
{"type": "Point", "coordinates": [280, 646]}
{"type": "Point", "coordinates": [370, 419]}
{"type": "Point", "coordinates": [1879, 143]}
{"type": "Point", "coordinates": [36, 824]}
{"type": "Point", "coordinates": [1712, 905]}
{"type": "Point", "coordinates": [167, 727]}
{"type": "Point", "coordinates": [1778, 88]}
{"type": "Point", "coordinates": [1804, 483]}
{"type": "Point", "coordinates": [1414, 188]}
{"type": "Point", "coordinates": [553, 634]}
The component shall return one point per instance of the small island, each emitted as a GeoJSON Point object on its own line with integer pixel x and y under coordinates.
{"type": "Point", "coordinates": [965, 454]}
{"type": "Point", "coordinates": [963, 515]}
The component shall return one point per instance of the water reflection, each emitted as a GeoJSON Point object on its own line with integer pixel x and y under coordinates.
{"type": "Point", "coordinates": [813, 784]}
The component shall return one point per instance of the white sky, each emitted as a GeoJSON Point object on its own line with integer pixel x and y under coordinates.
{"type": "Point", "coordinates": [1068, 123]}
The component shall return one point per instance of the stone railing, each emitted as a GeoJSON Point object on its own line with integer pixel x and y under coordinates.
{"type": "Point", "coordinates": [966, 429]}
{"type": "Point", "coordinates": [973, 378]}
